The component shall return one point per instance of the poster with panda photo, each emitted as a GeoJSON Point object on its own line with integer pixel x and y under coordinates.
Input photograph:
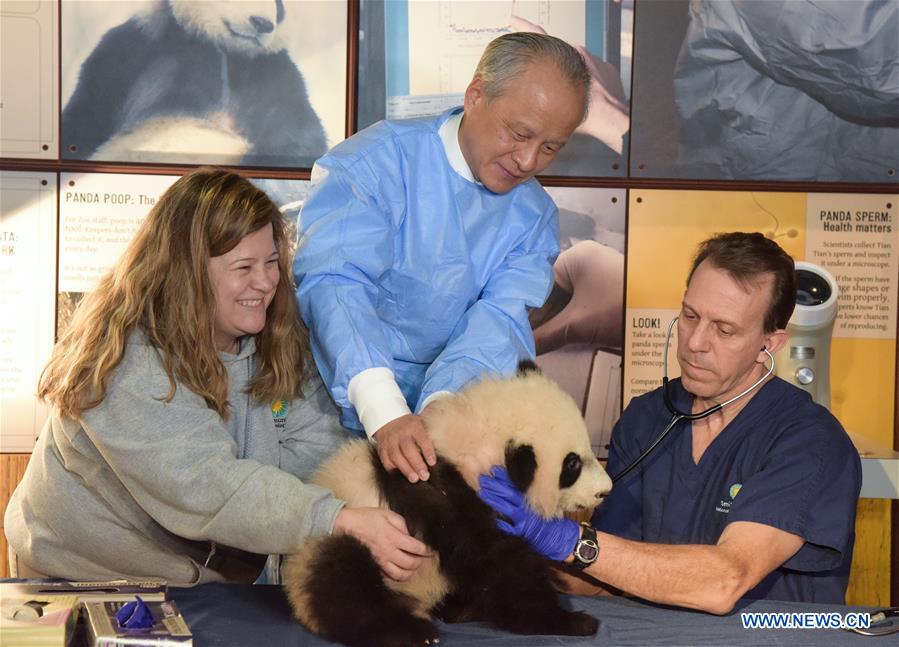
{"type": "Point", "coordinates": [417, 57]}
{"type": "Point", "coordinates": [251, 83]}
{"type": "Point", "coordinates": [769, 90]}
{"type": "Point", "coordinates": [578, 332]}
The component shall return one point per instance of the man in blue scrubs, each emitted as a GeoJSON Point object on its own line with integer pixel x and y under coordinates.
{"type": "Point", "coordinates": [424, 243]}
{"type": "Point", "coordinates": [757, 500]}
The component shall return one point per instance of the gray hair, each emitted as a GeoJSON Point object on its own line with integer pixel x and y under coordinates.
{"type": "Point", "coordinates": [508, 56]}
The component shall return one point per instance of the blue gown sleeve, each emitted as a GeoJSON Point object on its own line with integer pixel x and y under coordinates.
{"type": "Point", "coordinates": [494, 334]}
{"type": "Point", "coordinates": [345, 244]}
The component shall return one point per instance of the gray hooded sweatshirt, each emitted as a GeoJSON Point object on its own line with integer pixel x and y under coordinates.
{"type": "Point", "coordinates": [143, 488]}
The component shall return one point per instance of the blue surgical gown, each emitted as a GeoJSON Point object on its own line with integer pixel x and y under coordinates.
{"type": "Point", "coordinates": [784, 461]}
{"type": "Point", "coordinates": [405, 264]}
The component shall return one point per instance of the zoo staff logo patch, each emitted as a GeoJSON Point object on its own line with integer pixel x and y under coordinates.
{"type": "Point", "coordinates": [280, 409]}
{"type": "Point", "coordinates": [725, 504]}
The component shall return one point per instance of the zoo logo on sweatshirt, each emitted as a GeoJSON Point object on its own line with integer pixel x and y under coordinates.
{"type": "Point", "coordinates": [280, 409]}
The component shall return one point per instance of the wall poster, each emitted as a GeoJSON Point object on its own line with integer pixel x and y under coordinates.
{"type": "Point", "coordinates": [417, 58]}
{"type": "Point", "coordinates": [99, 213]}
{"type": "Point", "coordinates": [767, 90]}
{"type": "Point", "coordinates": [577, 332]}
{"type": "Point", "coordinates": [28, 277]}
{"type": "Point", "coordinates": [258, 83]}
{"type": "Point", "coordinates": [29, 77]}
{"type": "Point", "coordinates": [852, 236]}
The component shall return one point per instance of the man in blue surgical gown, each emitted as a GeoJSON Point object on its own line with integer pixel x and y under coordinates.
{"type": "Point", "coordinates": [424, 242]}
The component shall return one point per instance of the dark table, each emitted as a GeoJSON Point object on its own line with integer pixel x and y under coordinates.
{"type": "Point", "coordinates": [260, 616]}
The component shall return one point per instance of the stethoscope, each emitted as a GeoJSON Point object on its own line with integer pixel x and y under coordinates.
{"type": "Point", "coordinates": [881, 623]}
{"type": "Point", "coordinates": [676, 414]}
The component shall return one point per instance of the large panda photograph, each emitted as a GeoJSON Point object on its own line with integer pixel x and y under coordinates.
{"type": "Point", "coordinates": [251, 83]}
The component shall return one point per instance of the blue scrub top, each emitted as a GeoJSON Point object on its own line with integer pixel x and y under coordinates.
{"type": "Point", "coordinates": [405, 264]}
{"type": "Point", "coordinates": [784, 461]}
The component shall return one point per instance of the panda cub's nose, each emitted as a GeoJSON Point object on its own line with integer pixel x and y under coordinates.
{"type": "Point", "coordinates": [262, 25]}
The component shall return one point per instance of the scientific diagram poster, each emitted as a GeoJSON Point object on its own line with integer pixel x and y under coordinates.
{"type": "Point", "coordinates": [28, 276]}
{"type": "Point", "coordinates": [419, 56]}
{"type": "Point", "coordinates": [28, 79]}
{"type": "Point", "coordinates": [578, 332]}
{"type": "Point", "coordinates": [257, 83]}
{"type": "Point", "coordinates": [852, 236]}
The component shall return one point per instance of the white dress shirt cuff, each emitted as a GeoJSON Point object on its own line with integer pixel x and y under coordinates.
{"type": "Point", "coordinates": [434, 396]}
{"type": "Point", "coordinates": [377, 398]}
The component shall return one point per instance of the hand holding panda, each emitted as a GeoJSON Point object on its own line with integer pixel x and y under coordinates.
{"type": "Point", "coordinates": [384, 533]}
{"type": "Point", "coordinates": [553, 538]}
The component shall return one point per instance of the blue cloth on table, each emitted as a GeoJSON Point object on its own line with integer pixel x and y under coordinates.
{"type": "Point", "coordinates": [237, 615]}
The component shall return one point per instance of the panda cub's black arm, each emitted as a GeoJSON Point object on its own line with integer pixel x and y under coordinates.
{"type": "Point", "coordinates": [437, 510]}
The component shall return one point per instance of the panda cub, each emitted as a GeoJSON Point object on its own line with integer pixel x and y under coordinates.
{"type": "Point", "coordinates": [526, 423]}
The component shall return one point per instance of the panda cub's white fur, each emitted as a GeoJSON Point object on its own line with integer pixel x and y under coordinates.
{"type": "Point", "coordinates": [474, 428]}
{"type": "Point", "coordinates": [514, 422]}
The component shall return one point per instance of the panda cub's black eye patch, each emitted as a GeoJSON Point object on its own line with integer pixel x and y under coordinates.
{"type": "Point", "coordinates": [571, 470]}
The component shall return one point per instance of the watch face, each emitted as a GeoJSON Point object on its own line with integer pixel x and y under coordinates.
{"type": "Point", "coordinates": [587, 551]}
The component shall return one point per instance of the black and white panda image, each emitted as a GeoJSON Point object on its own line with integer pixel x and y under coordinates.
{"type": "Point", "coordinates": [194, 81]}
{"type": "Point", "coordinates": [526, 423]}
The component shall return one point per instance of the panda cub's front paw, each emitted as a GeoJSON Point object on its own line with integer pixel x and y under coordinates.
{"type": "Point", "coordinates": [408, 632]}
{"type": "Point", "coordinates": [581, 624]}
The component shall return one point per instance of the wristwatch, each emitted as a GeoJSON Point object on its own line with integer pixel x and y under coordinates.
{"type": "Point", "coordinates": [587, 549]}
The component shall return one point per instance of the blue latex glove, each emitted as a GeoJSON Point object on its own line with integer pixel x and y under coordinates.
{"type": "Point", "coordinates": [553, 538]}
{"type": "Point", "coordinates": [135, 615]}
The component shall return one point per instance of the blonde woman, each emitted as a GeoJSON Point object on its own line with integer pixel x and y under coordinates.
{"type": "Point", "coordinates": [187, 410]}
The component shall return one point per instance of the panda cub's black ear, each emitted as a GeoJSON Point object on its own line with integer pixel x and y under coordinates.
{"type": "Point", "coordinates": [526, 366]}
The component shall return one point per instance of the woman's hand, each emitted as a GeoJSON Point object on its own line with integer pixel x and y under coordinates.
{"type": "Point", "coordinates": [384, 533]}
{"type": "Point", "coordinates": [553, 538]}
